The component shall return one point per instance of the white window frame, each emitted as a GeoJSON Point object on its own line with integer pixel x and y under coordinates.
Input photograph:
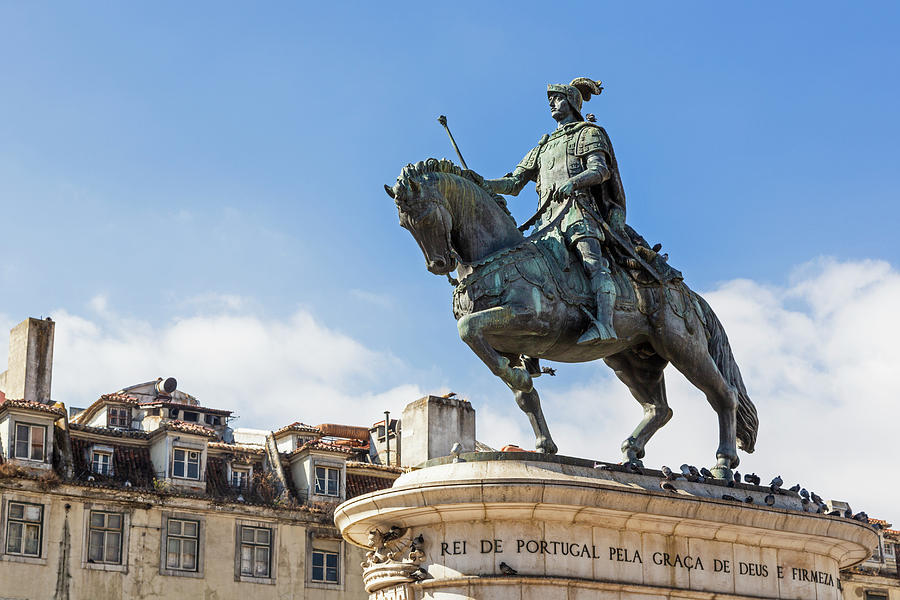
{"type": "Point", "coordinates": [122, 565]}
{"type": "Point", "coordinates": [245, 474]}
{"type": "Point", "coordinates": [325, 554]}
{"type": "Point", "coordinates": [102, 452]}
{"type": "Point", "coordinates": [25, 524]}
{"type": "Point", "coordinates": [186, 463]}
{"type": "Point", "coordinates": [327, 469]}
{"type": "Point", "coordinates": [30, 428]}
{"type": "Point", "coordinates": [200, 538]}
{"type": "Point", "coordinates": [106, 533]}
{"type": "Point", "coordinates": [325, 541]}
{"type": "Point", "coordinates": [242, 542]}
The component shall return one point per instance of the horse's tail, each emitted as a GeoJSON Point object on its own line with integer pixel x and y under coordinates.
{"type": "Point", "coordinates": [720, 350]}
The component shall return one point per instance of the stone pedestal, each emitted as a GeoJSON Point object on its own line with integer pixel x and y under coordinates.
{"type": "Point", "coordinates": [523, 525]}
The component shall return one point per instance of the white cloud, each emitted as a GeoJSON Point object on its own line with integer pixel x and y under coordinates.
{"type": "Point", "coordinates": [270, 372]}
{"type": "Point", "coordinates": [820, 360]}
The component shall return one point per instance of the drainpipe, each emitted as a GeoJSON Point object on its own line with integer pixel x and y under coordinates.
{"type": "Point", "coordinates": [387, 436]}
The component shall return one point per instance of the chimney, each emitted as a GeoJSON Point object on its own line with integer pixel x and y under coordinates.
{"type": "Point", "coordinates": [431, 425]}
{"type": "Point", "coordinates": [30, 363]}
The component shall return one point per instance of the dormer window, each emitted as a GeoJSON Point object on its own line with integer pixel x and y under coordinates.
{"type": "Point", "coordinates": [101, 461]}
{"type": "Point", "coordinates": [213, 420]}
{"type": "Point", "coordinates": [30, 442]}
{"type": "Point", "coordinates": [240, 477]}
{"type": "Point", "coordinates": [185, 463]}
{"type": "Point", "coordinates": [118, 416]}
{"type": "Point", "coordinates": [328, 481]}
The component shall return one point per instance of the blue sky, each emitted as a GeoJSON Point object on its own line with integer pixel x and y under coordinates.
{"type": "Point", "coordinates": [221, 165]}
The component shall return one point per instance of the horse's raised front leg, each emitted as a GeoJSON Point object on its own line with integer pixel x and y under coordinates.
{"type": "Point", "coordinates": [644, 377]}
{"type": "Point", "coordinates": [474, 328]}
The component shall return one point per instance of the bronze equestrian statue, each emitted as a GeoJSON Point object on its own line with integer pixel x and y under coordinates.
{"type": "Point", "coordinates": [583, 286]}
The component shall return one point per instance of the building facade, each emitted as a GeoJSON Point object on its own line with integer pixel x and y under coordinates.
{"type": "Point", "coordinates": [147, 493]}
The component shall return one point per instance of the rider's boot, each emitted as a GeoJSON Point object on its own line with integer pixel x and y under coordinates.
{"type": "Point", "coordinates": [602, 329]}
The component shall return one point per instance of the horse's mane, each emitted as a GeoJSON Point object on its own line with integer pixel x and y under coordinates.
{"type": "Point", "coordinates": [444, 166]}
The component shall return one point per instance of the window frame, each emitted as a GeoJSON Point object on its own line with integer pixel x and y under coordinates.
{"type": "Point", "coordinates": [23, 498]}
{"type": "Point", "coordinates": [327, 469]}
{"type": "Point", "coordinates": [125, 525]}
{"type": "Point", "coordinates": [325, 554]}
{"type": "Point", "coordinates": [246, 471]}
{"type": "Point", "coordinates": [239, 528]}
{"type": "Point", "coordinates": [25, 523]}
{"type": "Point", "coordinates": [187, 462]}
{"type": "Point", "coordinates": [95, 452]}
{"type": "Point", "coordinates": [325, 541]}
{"type": "Point", "coordinates": [124, 416]}
{"type": "Point", "coordinates": [30, 442]}
{"type": "Point", "coordinates": [164, 569]}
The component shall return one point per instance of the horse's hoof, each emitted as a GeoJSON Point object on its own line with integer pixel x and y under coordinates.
{"type": "Point", "coordinates": [722, 472]}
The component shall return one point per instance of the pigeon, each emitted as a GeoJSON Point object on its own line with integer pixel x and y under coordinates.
{"type": "Point", "coordinates": [848, 513]}
{"type": "Point", "coordinates": [657, 247]}
{"type": "Point", "coordinates": [670, 475]}
{"type": "Point", "coordinates": [507, 570]}
{"type": "Point", "coordinates": [393, 533]}
{"type": "Point", "coordinates": [729, 497]}
{"type": "Point", "coordinates": [821, 508]}
{"type": "Point", "coordinates": [667, 485]}
{"type": "Point", "coordinates": [804, 494]}
{"type": "Point", "coordinates": [862, 517]}
{"type": "Point", "coordinates": [419, 539]}
{"type": "Point", "coordinates": [748, 500]}
{"type": "Point", "coordinates": [686, 470]}
{"type": "Point", "coordinates": [796, 488]}
{"type": "Point", "coordinates": [419, 574]}
{"type": "Point", "coordinates": [816, 498]}
{"type": "Point", "coordinates": [835, 513]}
{"type": "Point", "coordinates": [804, 502]}
{"type": "Point", "coordinates": [737, 477]}
{"type": "Point", "coordinates": [634, 468]}
{"type": "Point", "coordinates": [770, 500]}
{"type": "Point", "coordinates": [707, 474]}
{"type": "Point", "coordinates": [776, 483]}
{"type": "Point", "coordinates": [752, 478]}
{"type": "Point", "coordinates": [456, 450]}
{"type": "Point", "coordinates": [693, 474]}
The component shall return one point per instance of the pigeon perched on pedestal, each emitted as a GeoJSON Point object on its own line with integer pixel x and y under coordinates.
{"type": "Point", "coordinates": [776, 483]}
{"type": "Point", "coordinates": [670, 475]}
{"type": "Point", "coordinates": [752, 478]}
{"type": "Point", "coordinates": [507, 570]}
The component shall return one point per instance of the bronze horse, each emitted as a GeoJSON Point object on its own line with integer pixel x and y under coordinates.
{"type": "Point", "coordinates": [516, 299]}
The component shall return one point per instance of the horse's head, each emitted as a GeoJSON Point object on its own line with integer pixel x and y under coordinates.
{"type": "Point", "coordinates": [423, 212]}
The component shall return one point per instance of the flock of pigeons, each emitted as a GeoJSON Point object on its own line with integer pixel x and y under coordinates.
{"type": "Point", "coordinates": [807, 499]}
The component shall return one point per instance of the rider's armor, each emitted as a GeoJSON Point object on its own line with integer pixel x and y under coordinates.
{"type": "Point", "coordinates": [556, 159]}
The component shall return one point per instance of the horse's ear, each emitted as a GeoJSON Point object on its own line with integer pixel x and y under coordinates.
{"type": "Point", "coordinates": [414, 186]}
{"type": "Point", "coordinates": [390, 192]}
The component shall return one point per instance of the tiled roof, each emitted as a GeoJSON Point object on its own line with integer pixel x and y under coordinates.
{"type": "Point", "coordinates": [352, 464]}
{"type": "Point", "coordinates": [236, 447]}
{"type": "Point", "coordinates": [298, 426]}
{"type": "Point", "coordinates": [47, 408]}
{"type": "Point", "coordinates": [191, 428]}
{"type": "Point", "coordinates": [363, 484]}
{"type": "Point", "coordinates": [352, 432]}
{"type": "Point", "coordinates": [218, 486]}
{"type": "Point", "coordinates": [317, 445]}
{"type": "Point", "coordinates": [181, 405]}
{"type": "Point", "coordinates": [116, 397]}
{"type": "Point", "coordinates": [139, 434]}
{"type": "Point", "coordinates": [130, 464]}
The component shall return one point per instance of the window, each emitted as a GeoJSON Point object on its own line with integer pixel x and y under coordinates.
{"type": "Point", "coordinates": [213, 420]}
{"type": "Point", "coordinates": [105, 538]}
{"type": "Point", "coordinates": [101, 461]}
{"type": "Point", "coordinates": [190, 416]}
{"type": "Point", "coordinates": [181, 544]}
{"type": "Point", "coordinates": [325, 566]}
{"type": "Point", "coordinates": [30, 441]}
{"type": "Point", "coordinates": [118, 416]}
{"type": "Point", "coordinates": [240, 478]}
{"type": "Point", "coordinates": [153, 412]}
{"type": "Point", "coordinates": [24, 528]}
{"type": "Point", "coordinates": [876, 595]}
{"type": "Point", "coordinates": [256, 551]}
{"type": "Point", "coordinates": [327, 481]}
{"type": "Point", "coordinates": [186, 464]}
